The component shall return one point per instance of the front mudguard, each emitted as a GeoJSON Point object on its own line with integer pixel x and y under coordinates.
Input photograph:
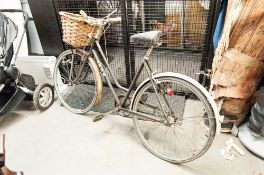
{"type": "Point", "coordinates": [99, 82]}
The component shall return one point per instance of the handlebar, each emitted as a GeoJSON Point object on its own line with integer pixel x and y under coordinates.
{"type": "Point", "coordinates": [17, 10]}
{"type": "Point", "coordinates": [101, 21]}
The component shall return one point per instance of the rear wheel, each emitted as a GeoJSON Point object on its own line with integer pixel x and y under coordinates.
{"type": "Point", "coordinates": [75, 81]}
{"type": "Point", "coordinates": [186, 126]}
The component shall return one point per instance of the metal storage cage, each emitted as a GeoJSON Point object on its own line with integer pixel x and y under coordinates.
{"type": "Point", "coordinates": [187, 27]}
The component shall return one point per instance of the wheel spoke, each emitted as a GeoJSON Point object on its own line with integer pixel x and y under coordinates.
{"type": "Point", "coordinates": [87, 90]}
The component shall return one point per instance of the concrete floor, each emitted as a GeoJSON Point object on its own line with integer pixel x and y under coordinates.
{"type": "Point", "coordinates": [57, 142]}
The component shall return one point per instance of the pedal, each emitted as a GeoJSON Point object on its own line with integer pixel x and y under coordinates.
{"type": "Point", "coordinates": [98, 117]}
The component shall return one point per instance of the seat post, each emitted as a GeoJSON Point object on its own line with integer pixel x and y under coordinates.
{"type": "Point", "coordinates": [147, 56]}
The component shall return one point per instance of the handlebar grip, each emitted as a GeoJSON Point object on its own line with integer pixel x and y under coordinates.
{"type": "Point", "coordinates": [115, 20]}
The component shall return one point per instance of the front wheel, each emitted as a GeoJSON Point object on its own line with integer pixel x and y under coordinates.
{"type": "Point", "coordinates": [76, 81]}
{"type": "Point", "coordinates": [186, 122]}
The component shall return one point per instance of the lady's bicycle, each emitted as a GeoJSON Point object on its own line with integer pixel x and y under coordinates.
{"type": "Point", "coordinates": [174, 116]}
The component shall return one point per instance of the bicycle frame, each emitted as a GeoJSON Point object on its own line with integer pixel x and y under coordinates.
{"type": "Point", "coordinates": [144, 64]}
{"type": "Point", "coordinates": [103, 69]}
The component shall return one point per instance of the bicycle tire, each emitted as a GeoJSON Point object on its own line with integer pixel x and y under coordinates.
{"type": "Point", "coordinates": [146, 138]}
{"type": "Point", "coordinates": [79, 102]}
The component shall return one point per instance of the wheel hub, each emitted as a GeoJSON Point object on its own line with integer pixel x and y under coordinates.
{"type": "Point", "coordinates": [45, 96]}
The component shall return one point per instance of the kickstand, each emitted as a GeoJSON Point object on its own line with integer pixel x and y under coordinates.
{"type": "Point", "coordinates": [102, 115]}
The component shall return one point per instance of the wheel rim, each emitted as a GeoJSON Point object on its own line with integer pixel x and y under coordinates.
{"type": "Point", "coordinates": [155, 136]}
{"type": "Point", "coordinates": [45, 97]}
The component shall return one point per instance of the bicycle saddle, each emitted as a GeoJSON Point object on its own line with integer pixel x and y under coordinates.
{"type": "Point", "coordinates": [146, 38]}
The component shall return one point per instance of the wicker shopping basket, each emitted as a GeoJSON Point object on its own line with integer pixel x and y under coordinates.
{"type": "Point", "coordinates": [76, 31]}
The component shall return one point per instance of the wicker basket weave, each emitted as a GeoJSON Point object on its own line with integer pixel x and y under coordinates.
{"type": "Point", "coordinates": [76, 31]}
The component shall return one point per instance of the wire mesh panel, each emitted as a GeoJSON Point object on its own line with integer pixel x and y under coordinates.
{"type": "Point", "coordinates": [183, 23]}
{"type": "Point", "coordinates": [170, 61]}
{"type": "Point", "coordinates": [185, 27]}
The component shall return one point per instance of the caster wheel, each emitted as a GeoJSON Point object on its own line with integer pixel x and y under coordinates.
{"type": "Point", "coordinates": [43, 96]}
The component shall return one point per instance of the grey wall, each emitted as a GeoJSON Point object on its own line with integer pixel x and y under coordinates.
{"type": "Point", "coordinates": [47, 26]}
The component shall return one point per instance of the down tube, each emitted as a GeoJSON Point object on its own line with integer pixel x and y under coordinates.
{"type": "Point", "coordinates": [133, 83]}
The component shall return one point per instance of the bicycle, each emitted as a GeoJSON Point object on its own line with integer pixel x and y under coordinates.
{"type": "Point", "coordinates": [177, 136]}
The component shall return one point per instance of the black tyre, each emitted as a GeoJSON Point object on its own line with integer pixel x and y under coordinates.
{"type": "Point", "coordinates": [43, 96]}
